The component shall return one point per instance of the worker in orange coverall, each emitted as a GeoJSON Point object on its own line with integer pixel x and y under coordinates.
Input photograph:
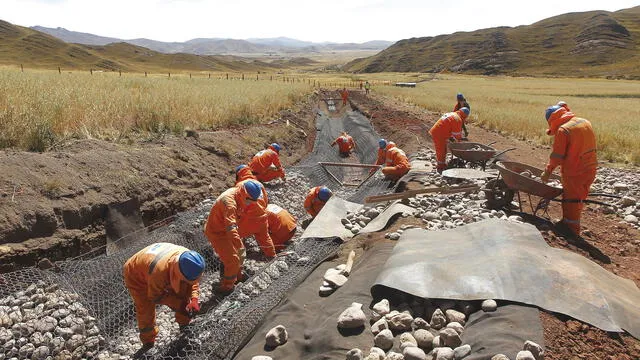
{"type": "Point", "coordinates": [316, 198]}
{"type": "Point", "coordinates": [396, 162]}
{"type": "Point", "coordinates": [449, 125]}
{"type": "Point", "coordinates": [243, 172]}
{"type": "Point", "coordinates": [266, 166]}
{"type": "Point", "coordinates": [574, 150]}
{"type": "Point", "coordinates": [344, 93]}
{"type": "Point", "coordinates": [236, 212]}
{"type": "Point", "coordinates": [460, 103]}
{"type": "Point", "coordinates": [282, 226]}
{"type": "Point", "coordinates": [166, 274]}
{"type": "Point", "coordinates": [345, 144]}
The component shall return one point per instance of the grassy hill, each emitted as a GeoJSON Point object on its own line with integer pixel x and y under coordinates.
{"type": "Point", "coordinates": [20, 45]}
{"type": "Point", "coordinates": [595, 43]}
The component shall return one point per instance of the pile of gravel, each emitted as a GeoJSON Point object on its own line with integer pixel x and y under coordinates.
{"type": "Point", "coordinates": [621, 182]}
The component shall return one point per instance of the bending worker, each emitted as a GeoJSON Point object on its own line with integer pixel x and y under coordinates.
{"type": "Point", "coordinates": [396, 162]}
{"type": "Point", "coordinates": [316, 198]}
{"type": "Point", "coordinates": [345, 144]}
{"type": "Point", "coordinates": [460, 103]}
{"type": "Point", "coordinates": [344, 93]}
{"type": "Point", "coordinates": [574, 150]}
{"type": "Point", "coordinates": [449, 125]}
{"type": "Point", "coordinates": [282, 226]}
{"type": "Point", "coordinates": [266, 166]}
{"type": "Point", "coordinates": [234, 210]}
{"type": "Point", "coordinates": [166, 274]}
{"type": "Point", "coordinates": [243, 172]}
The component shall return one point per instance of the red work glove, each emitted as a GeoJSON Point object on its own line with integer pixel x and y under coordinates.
{"type": "Point", "coordinates": [193, 306]}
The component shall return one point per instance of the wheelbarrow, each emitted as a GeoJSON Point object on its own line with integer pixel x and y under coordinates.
{"type": "Point", "coordinates": [515, 178]}
{"type": "Point", "coordinates": [472, 155]}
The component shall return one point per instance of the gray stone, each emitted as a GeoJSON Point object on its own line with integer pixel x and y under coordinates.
{"type": "Point", "coordinates": [384, 339]}
{"type": "Point", "coordinates": [382, 307]}
{"type": "Point", "coordinates": [437, 342]}
{"type": "Point", "coordinates": [627, 201]}
{"type": "Point", "coordinates": [41, 353]}
{"type": "Point", "coordinates": [336, 279]}
{"type": "Point", "coordinates": [64, 333]}
{"type": "Point", "coordinates": [26, 350]}
{"type": "Point", "coordinates": [400, 322]}
{"type": "Point", "coordinates": [631, 219]}
{"type": "Point", "coordinates": [461, 352]}
{"type": "Point", "coordinates": [74, 342]}
{"type": "Point", "coordinates": [456, 316]}
{"type": "Point", "coordinates": [414, 353]}
{"type": "Point", "coordinates": [419, 323]}
{"type": "Point", "coordinates": [500, 357]}
{"type": "Point", "coordinates": [536, 350]}
{"type": "Point", "coordinates": [525, 355]}
{"type": "Point", "coordinates": [352, 317]}
{"type": "Point", "coordinates": [379, 326]}
{"type": "Point", "coordinates": [262, 357]}
{"type": "Point", "coordinates": [444, 353]}
{"type": "Point", "coordinates": [424, 338]}
{"type": "Point", "coordinates": [56, 345]}
{"type": "Point", "coordinates": [456, 326]}
{"type": "Point", "coordinates": [377, 352]}
{"type": "Point", "coordinates": [406, 344]}
{"type": "Point", "coordinates": [438, 320]}
{"type": "Point", "coordinates": [276, 336]}
{"type": "Point", "coordinates": [450, 337]}
{"type": "Point", "coordinates": [620, 187]}
{"type": "Point", "coordinates": [394, 356]}
{"type": "Point", "coordinates": [326, 290]}
{"type": "Point", "coordinates": [355, 354]}
{"type": "Point", "coordinates": [407, 338]}
{"type": "Point", "coordinates": [489, 305]}
{"type": "Point", "coordinates": [515, 218]}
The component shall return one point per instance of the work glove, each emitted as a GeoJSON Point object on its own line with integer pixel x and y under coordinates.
{"type": "Point", "coordinates": [193, 307]}
{"type": "Point", "coordinates": [545, 176]}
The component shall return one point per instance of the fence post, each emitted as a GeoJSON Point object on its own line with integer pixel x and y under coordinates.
{"type": "Point", "coordinates": [257, 78]}
{"type": "Point", "coordinates": [59, 71]}
{"type": "Point", "coordinates": [242, 76]}
{"type": "Point", "coordinates": [169, 74]}
{"type": "Point", "coordinates": [271, 78]}
{"type": "Point", "coordinates": [209, 75]}
{"type": "Point", "coordinates": [120, 72]}
{"type": "Point", "coordinates": [91, 71]}
{"type": "Point", "coordinates": [227, 76]}
{"type": "Point", "coordinates": [21, 68]}
{"type": "Point", "coordinates": [145, 74]}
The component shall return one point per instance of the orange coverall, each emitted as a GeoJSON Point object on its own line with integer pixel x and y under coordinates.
{"type": "Point", "coordinates": [450, 124]}
{"type": "Point", "coordinates": [457, 107]}
{"type": "Point", "coordinates": [574, 150]}
{"type": "Point", "coordinates": [344, 93]}
{"type": "Point", "coordinates": [254, 222]}
{"type": "Point", "coordinates": [261, 165]}
{"type": "Point", "coordinates": [245, 174]}
{"type": "Point", "coordinates": [153, 276]}
{"type": "Point", "coordinates": [345, 144]}
{"type": "Point", "coordinates": [396, 163]}
{"type": "Point", "coordinates": [231, 210]}
{"type": "Point", "coordinates": [282, 225]}
{"type": "Point", "coordinates": [312, 204]}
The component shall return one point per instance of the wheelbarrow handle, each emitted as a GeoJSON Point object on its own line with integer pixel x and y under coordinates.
{"type": "Point", "coordinates": [491, 143]}
{"type": "Point", "coordinates": [582, 201]}
{"type": "Point", "coordinates": [606, 195]}
{"type": "Point", "coordinates": [496, 156]}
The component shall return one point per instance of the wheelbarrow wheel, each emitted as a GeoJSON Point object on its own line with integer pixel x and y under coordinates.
{"type": "Point", "coordinates": [456, 163]}
{"type": "Point", "coordinates": [498, 194]}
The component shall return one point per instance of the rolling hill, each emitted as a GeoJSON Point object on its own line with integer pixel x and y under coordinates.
{"type": "Point", "coordinates": [20, 45]}
{"type": "Point", "coordinates": [595, 43]}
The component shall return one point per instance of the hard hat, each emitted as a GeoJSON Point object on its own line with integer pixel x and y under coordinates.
{"type": "Point", "coordinates": [276, 147]}
{"type": "Point", "coordinates": [253, 188]}
{"type": "Point", "coordinates": [551, 110]}
{"type": "Point", "coordinates": [382, 143]}
{"type": "Point", "coordinates": [460, 96]}
{"type": "Point", "coordinates": [191, 264]}
{"type": "Point", "coordinates": [465, 110]}
{"type": "Point", "coordinates": [561, 103]}
{"type": "Point", "coordinates": [324, 193]}
{"type": "Point", "coordinates": [240, 167]}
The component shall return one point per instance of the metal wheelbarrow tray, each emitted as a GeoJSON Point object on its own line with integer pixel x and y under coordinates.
{"type": "Point", "coordinates": [464, 152]}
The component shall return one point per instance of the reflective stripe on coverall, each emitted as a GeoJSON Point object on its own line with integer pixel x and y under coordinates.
{"type": "Point", "coordinates": [396, 163]}
{"type": "Point", "coordinates": [312, 204]}
{"type": "Point", "coordinates": [153, 276]}
{"type": "Point", "coordinates": [261, 166]}
{"type": "Point", "coordinates": [282, 225]}
{"type": "Point", "coordinates": [574, 150]}
{"type": "Point", "coordinates": [450, 124]}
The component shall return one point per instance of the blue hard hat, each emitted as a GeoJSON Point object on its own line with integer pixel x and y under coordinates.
{"type": "Point", "coordinates": [382, 143]}
{"type": "Point", "coordinates": [254, 189]}
{"type": "Point", "coordinates": [551, 110]}
{"type": "Point", "coordinates": [191, 264]}
{"type": "Point", "coordinates": [324, 194]}
{"type": "Point", "coordinates": [460, 96]}
{"type": "Point", "coordinates": [465, 110]}
{"type": "Point", "coordinates": [240, 167]}
{"type": "Point", "coordinates": [276, 147]}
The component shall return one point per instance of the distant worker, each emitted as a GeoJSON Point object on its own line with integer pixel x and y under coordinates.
{"type": "Point", "coordinates": [462, 102]}
{"type": "Point", "coordinates": [316, 198]}
{"type": "Point", "coordinates": [396, 162]}
{"type": "Point", "coordinates": [449, 125]}
{"type": "Point", "coordinates": [266, 166]}
{"type": "Point", "coordinates": [344, 93]}
{"type": "Point", "coordinates": [230, 211]}
{"type": "Point", "coordinates": [345, 144]}
{"type": "Point", "coordinates": [166, 274]}
{"type": "Point", "coordinates": [574, 150]}
{"type": "Point", "coordinates": [360, 85]}
{"type": "Point", "coordinates": [282, 226]}
{"type": "Point", "coordinates": [243, 172]}
{"type": "Point", "coordinates": [564, 105]}
{"type": "Point", "coordinates": [367, 88]}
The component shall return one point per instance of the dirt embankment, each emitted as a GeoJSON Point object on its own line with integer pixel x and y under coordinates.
{"type": "Point", "coordinates": [66, 202]}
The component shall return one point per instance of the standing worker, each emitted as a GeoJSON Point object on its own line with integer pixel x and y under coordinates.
{"type": "Point", "coordinates": [345, 144]}
{"type": "Point", "coordinates": [344, 93]}
{"type": "Point", "coordinates": [282, 226]}
{"type": "Point", "coordinates": [574, 150]}
{"type": "Point", "coordinates": [460, 103]}
{"type": "Point", "coordinates": [166, 274]}
{"type": "Point", "coordinates": [316, 198]}
{"type": "Point", "coordinates": [234, 206]}
{"type": "Point", "coordinates": [243, 172]}
{"type": "Point", "coordinates": [367, 88]}
{"type": "Point", "coordinates": [266, 166]}
{"type": "Point", "coordinates": [396, 162]}
{"type": "Point", "coordinates": [449, 125]}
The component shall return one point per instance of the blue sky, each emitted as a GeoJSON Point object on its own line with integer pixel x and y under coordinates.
{"type": "Point", "coordinates": [324, 20]}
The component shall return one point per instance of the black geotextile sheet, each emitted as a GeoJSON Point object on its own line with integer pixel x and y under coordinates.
{"type": "Point", "coordinates": [311, 320]}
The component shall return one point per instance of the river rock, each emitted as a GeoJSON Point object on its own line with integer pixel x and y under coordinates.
{"type": "Point", "coordinates": [262, 357]}
{"type": "Point", "coordinates": [407, 338]}
{"type": "Point", "coordinates": [26, 350]}
{"type": "Point", "coordinates": [352, 317]}
{"type": "Point", "coordinates": [384, 339]}
{"type": "Point", "coordinates": [336, 279]}
{"type": "Point", "coordinates": [450, 338]}
{"type": "Point", "coordinates": [627, 201]}
{"type": "Point", "coordinates": [500, 357]}
{"type": "Point", "coordinates": [377, 353]}
{"type": "Point", "coordinates": [536, 350]}
{"type": "Point", "coordinates": [355, 354]}
{"type": "Point", "coordinates": [437, 342]}
{"type": "Point", "coordinates": [276, 336]}
{"type": "Point", "coordinates": [382, 307]}
{"type": "Point", "coordinates": [394, 356]}
{"type": "Point", "coordinates": [394, 236]}
{"type": "Point", "coordinates": [461, 352]}
{"type": "Point", "coordinates": [456, 316]}
{"type": "Point", "coordinates": [456, 326]}
{"type": "Point", "coordinates": [414, 353]}
{"type": "Point", "coordinates": [438, 320]}
{"type": "Point", "coordinates": [619, 187]}
{"type": "Point", "coordinates": [525, 355]}
{"type": "Point", "coordinates": [632, 219]}
{"type": "Point", "coordinates": [41, 353]}
{"type": "Point", "coordinates": [444, 353]}
{"type": "Point", "coordinates": [424, 338]}
{"type": "Point", "coordinates": [489, 305]}
{"type": "Point", "coordinates": [379, 326]}
{"type": "Point", "coordinates": [400, 322]}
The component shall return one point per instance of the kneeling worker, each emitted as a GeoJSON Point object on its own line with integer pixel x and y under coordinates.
{"type": "Point", "coordinates": [266, 166]}
{"type": "Point", "coordinates": [316, 198]}
{"type": "Point", "coordinates": [396, 162]}
{"type": "Point", "coordinates": [282, 226]}
{"type": "Point", "coordinates": [345, 144]}
{"type": "Point", "coordinates": [165, 274]}
{"type": "Point", "coordinates": [449, 125]}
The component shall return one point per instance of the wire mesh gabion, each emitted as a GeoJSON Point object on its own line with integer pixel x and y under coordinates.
{"type": "Point", "coordinates": [81, 309]}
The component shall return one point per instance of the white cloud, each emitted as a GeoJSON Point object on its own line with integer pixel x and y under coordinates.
{"type": "Point", "coordinates": [329, 20]}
